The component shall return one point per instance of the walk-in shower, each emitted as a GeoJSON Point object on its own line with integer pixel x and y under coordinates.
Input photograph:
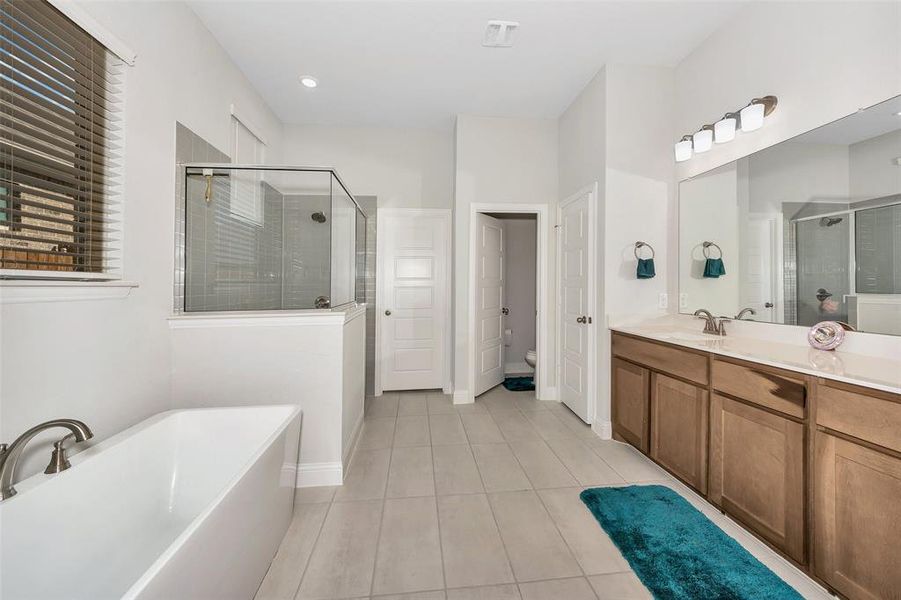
{"type": "Point", "coordinates": [270, 238]}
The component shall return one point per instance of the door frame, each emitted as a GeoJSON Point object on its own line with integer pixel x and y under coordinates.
{"type": "Point", "coordinates": [592, 378]}
{"type": "Point", "coordinates": [777, 268]}
{"type": "Point", "coordinates": [445, 215]}
{"type": "Point", "coordinates": [542, 335]}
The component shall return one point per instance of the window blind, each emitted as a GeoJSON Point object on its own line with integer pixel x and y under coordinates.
{"type": "Point", "coordinates": [60, 134]}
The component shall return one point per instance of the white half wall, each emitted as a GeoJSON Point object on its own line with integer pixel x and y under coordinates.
{"type": "Point", "coordinates": [107, 361]}
{"type": "Point", "coordinates": [311, 359]}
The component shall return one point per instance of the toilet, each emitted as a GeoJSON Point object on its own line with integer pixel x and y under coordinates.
{"type": "Point", "coordinates": [530, 358]}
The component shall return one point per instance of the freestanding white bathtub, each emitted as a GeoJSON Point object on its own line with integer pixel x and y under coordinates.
{"type": "Point", "coordinates": [189, 504]}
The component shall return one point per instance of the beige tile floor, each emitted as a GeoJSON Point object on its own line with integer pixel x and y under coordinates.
{"type": "Point", "coordinates": [478, 502]}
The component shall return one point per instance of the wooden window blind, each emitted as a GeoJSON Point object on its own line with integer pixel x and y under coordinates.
{"type": "Point", "coordinates": [60, 134]}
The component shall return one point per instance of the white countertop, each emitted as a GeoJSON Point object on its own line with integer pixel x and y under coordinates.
{"type": "Point", "coordinates": [876, 364]}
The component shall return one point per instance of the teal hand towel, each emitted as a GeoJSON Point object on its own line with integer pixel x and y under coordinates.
{"type": "Point", "coordinates": [714, 267]}
{"type": "Point", "coordinates": [646, 268]}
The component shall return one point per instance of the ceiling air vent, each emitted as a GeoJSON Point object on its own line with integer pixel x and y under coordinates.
{"type": "Point", "coordinates": [499, 34]}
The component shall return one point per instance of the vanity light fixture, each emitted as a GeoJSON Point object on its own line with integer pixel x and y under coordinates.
{"type": "Point", "coordinates": [724, 129]}
{"type": "Point", "coordinates": [683, 149]}
{"type": "Point", "coordinates": [703, 139]}
{"type": "Point", "coordinates": [308, 81]}
{"type": "Point", "coordinates": [747, 119]}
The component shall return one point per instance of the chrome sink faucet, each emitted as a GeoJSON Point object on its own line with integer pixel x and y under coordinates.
{"type": "Point", "coordinates": [9, 455]}
{"type": "Point", "coordinates": [712, 325]}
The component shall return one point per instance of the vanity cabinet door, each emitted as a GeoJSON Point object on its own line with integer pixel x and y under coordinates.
{"type": "Point", "coordinates": [630, 403]}
{"type": "Point", "coordinates": [757, 471]}
{"type": "Point", "coordinates": [679, 420]}
{"type": "Point", "coordinates": [857, 518]}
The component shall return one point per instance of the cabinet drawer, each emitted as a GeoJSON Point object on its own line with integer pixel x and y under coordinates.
{"type": "Point", "coordinates": [865, 414]}
{"type": "Point", "coordinates": [767, 387]}
{"type": "Point", "coordinates": [681, 363]}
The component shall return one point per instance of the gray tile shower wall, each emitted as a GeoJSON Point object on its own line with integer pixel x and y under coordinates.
{"type": "Point", "coordinates": [369, 205]}
{"type": "Point", "coordinates": [307, 250]}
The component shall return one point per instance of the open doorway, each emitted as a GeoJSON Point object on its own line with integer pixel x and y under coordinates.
{"type": "Point", "coordinates": [506, 275]}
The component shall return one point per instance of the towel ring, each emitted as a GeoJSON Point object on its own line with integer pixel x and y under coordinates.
{"type": "Point", "coordinates": [707, 246]}
{"type": "Point", "coordinates": [640, 245]}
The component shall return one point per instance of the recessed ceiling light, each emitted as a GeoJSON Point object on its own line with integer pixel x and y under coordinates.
{"type": "Point", "coordinates": [308, 81]}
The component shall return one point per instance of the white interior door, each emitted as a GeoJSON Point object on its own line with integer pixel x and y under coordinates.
{"type": "Point", "coordinates": [758, 280]}
{"type": "Point", "coordinates": [412, 308]}
{"type": "Point", "coordinates": [574, 328]}
{"type": "Point", "coordinates": [489, 297]}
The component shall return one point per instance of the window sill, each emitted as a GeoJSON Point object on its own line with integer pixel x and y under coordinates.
{"type": "Point", "coordinates": [25, 291]}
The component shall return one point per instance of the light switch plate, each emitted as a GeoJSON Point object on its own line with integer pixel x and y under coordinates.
{"type": "Point", "coordinates": [662, 300]}
{"type": "Point", "coordinates": [683, 300]}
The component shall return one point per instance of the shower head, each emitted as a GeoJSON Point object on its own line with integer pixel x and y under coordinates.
{"type": "Point", "coordinates": [830, 221]}
{"type": "Point", "coordinates": [319, 217]}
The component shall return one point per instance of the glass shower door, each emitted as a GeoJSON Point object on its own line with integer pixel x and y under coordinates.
{"type": "Point", "coordinates": [823, 247]}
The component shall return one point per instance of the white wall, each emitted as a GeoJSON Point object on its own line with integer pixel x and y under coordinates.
{"type": "Point", "coordinates": [824, 60]}
{"type": "Point", "coordinates": [107, 362]}
{"type": "Point", "coordinates": [507, 161]}
{"type": "Point", "coordinates": [520, 248]}
{"type": "Point", "coordinates": [873, 172]}
{"type": "Point", "coordinates": [408, 168]}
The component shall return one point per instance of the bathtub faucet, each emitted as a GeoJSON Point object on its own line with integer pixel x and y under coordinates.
{"type": "Point", "coordinates": [9, 455]}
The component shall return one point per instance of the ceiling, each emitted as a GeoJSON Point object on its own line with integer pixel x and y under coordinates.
{"type": "Point", "coordinates": [419, 63]}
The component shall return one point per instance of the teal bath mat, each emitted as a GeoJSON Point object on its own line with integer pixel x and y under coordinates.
{"type": "Point", "coordinates": [520, 384]}
{"type": "Point", "coordinates": [676, 551]}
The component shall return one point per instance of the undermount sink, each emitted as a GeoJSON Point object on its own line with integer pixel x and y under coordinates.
{"type": "Point", "coordinates": [689, 337]}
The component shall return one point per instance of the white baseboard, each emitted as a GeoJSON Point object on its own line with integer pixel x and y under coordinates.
{"type": "Point", "coordinates": [517, 368]}
{"type": "Point", "coordinates": [603, 429]}
{"type": "Point", "coordinates": [463, 397]}
{"type": "Point", "coordinates": [316, 474]}
{"type": "Point", "coordinates": [354, 437]}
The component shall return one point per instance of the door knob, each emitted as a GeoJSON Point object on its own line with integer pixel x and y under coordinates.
{"type": "Point", "coordinates": [505, 310]}
{"type": "Point", "coordinates": [768, 305]}
{"type": "Point", "coordinates": [387, 313]}
{"type": "Point", "coordinates": [581, 319]}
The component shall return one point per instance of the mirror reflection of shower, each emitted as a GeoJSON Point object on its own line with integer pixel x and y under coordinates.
{"type": "Point", "coordinates": [830, 221]}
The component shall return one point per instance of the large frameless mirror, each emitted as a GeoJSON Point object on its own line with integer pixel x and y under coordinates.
{"type": "Point", "coordinates": [805, 231]}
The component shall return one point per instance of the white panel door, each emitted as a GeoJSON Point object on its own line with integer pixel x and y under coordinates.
{"type": "Point", "coordinates": [489, 302]}
{"type": "Point", "coordinates": [413, 302]}
{"type": "Point", "coordinates": [575, 265]}
{"type": "Point", "coordinates": [757, 281]}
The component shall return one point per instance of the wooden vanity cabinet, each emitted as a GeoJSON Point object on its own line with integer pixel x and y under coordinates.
{"type": "Point", "coordinates": [757, 471]}
{"type": "Point", "coordinates": [679, 414]}
{"type": "Point", "coordinates": [857, 491]}
{"type": "Point", "coordinates": [631, 403]}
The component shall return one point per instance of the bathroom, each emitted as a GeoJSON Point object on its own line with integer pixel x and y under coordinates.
{"type": "Point", "coordinates": [247, 322]}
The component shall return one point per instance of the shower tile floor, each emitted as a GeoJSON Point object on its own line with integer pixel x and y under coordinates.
{"type": "Point", "coordinates": [475, 502]}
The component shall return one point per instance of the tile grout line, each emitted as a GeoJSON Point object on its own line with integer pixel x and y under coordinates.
{"type": "Point", "coordinates": [428, 424]}
{"type": "Point", "coordinates": [378, 538]}
{"type": "Point", "coordinates": [313, 547]}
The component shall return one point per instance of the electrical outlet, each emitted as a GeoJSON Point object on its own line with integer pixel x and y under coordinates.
{"type": "Point", "coordinates": [683, 300]}
{"type": "Point", "coordinates": [662, 300]}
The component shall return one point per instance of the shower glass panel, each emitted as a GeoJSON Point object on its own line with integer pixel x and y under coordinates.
{"type": "Point", "coordinates": [877, 243]}
{"type": "Point", "coordinates": [269, 238]}
{"type": "Point", "coordinates": [823, 246]}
